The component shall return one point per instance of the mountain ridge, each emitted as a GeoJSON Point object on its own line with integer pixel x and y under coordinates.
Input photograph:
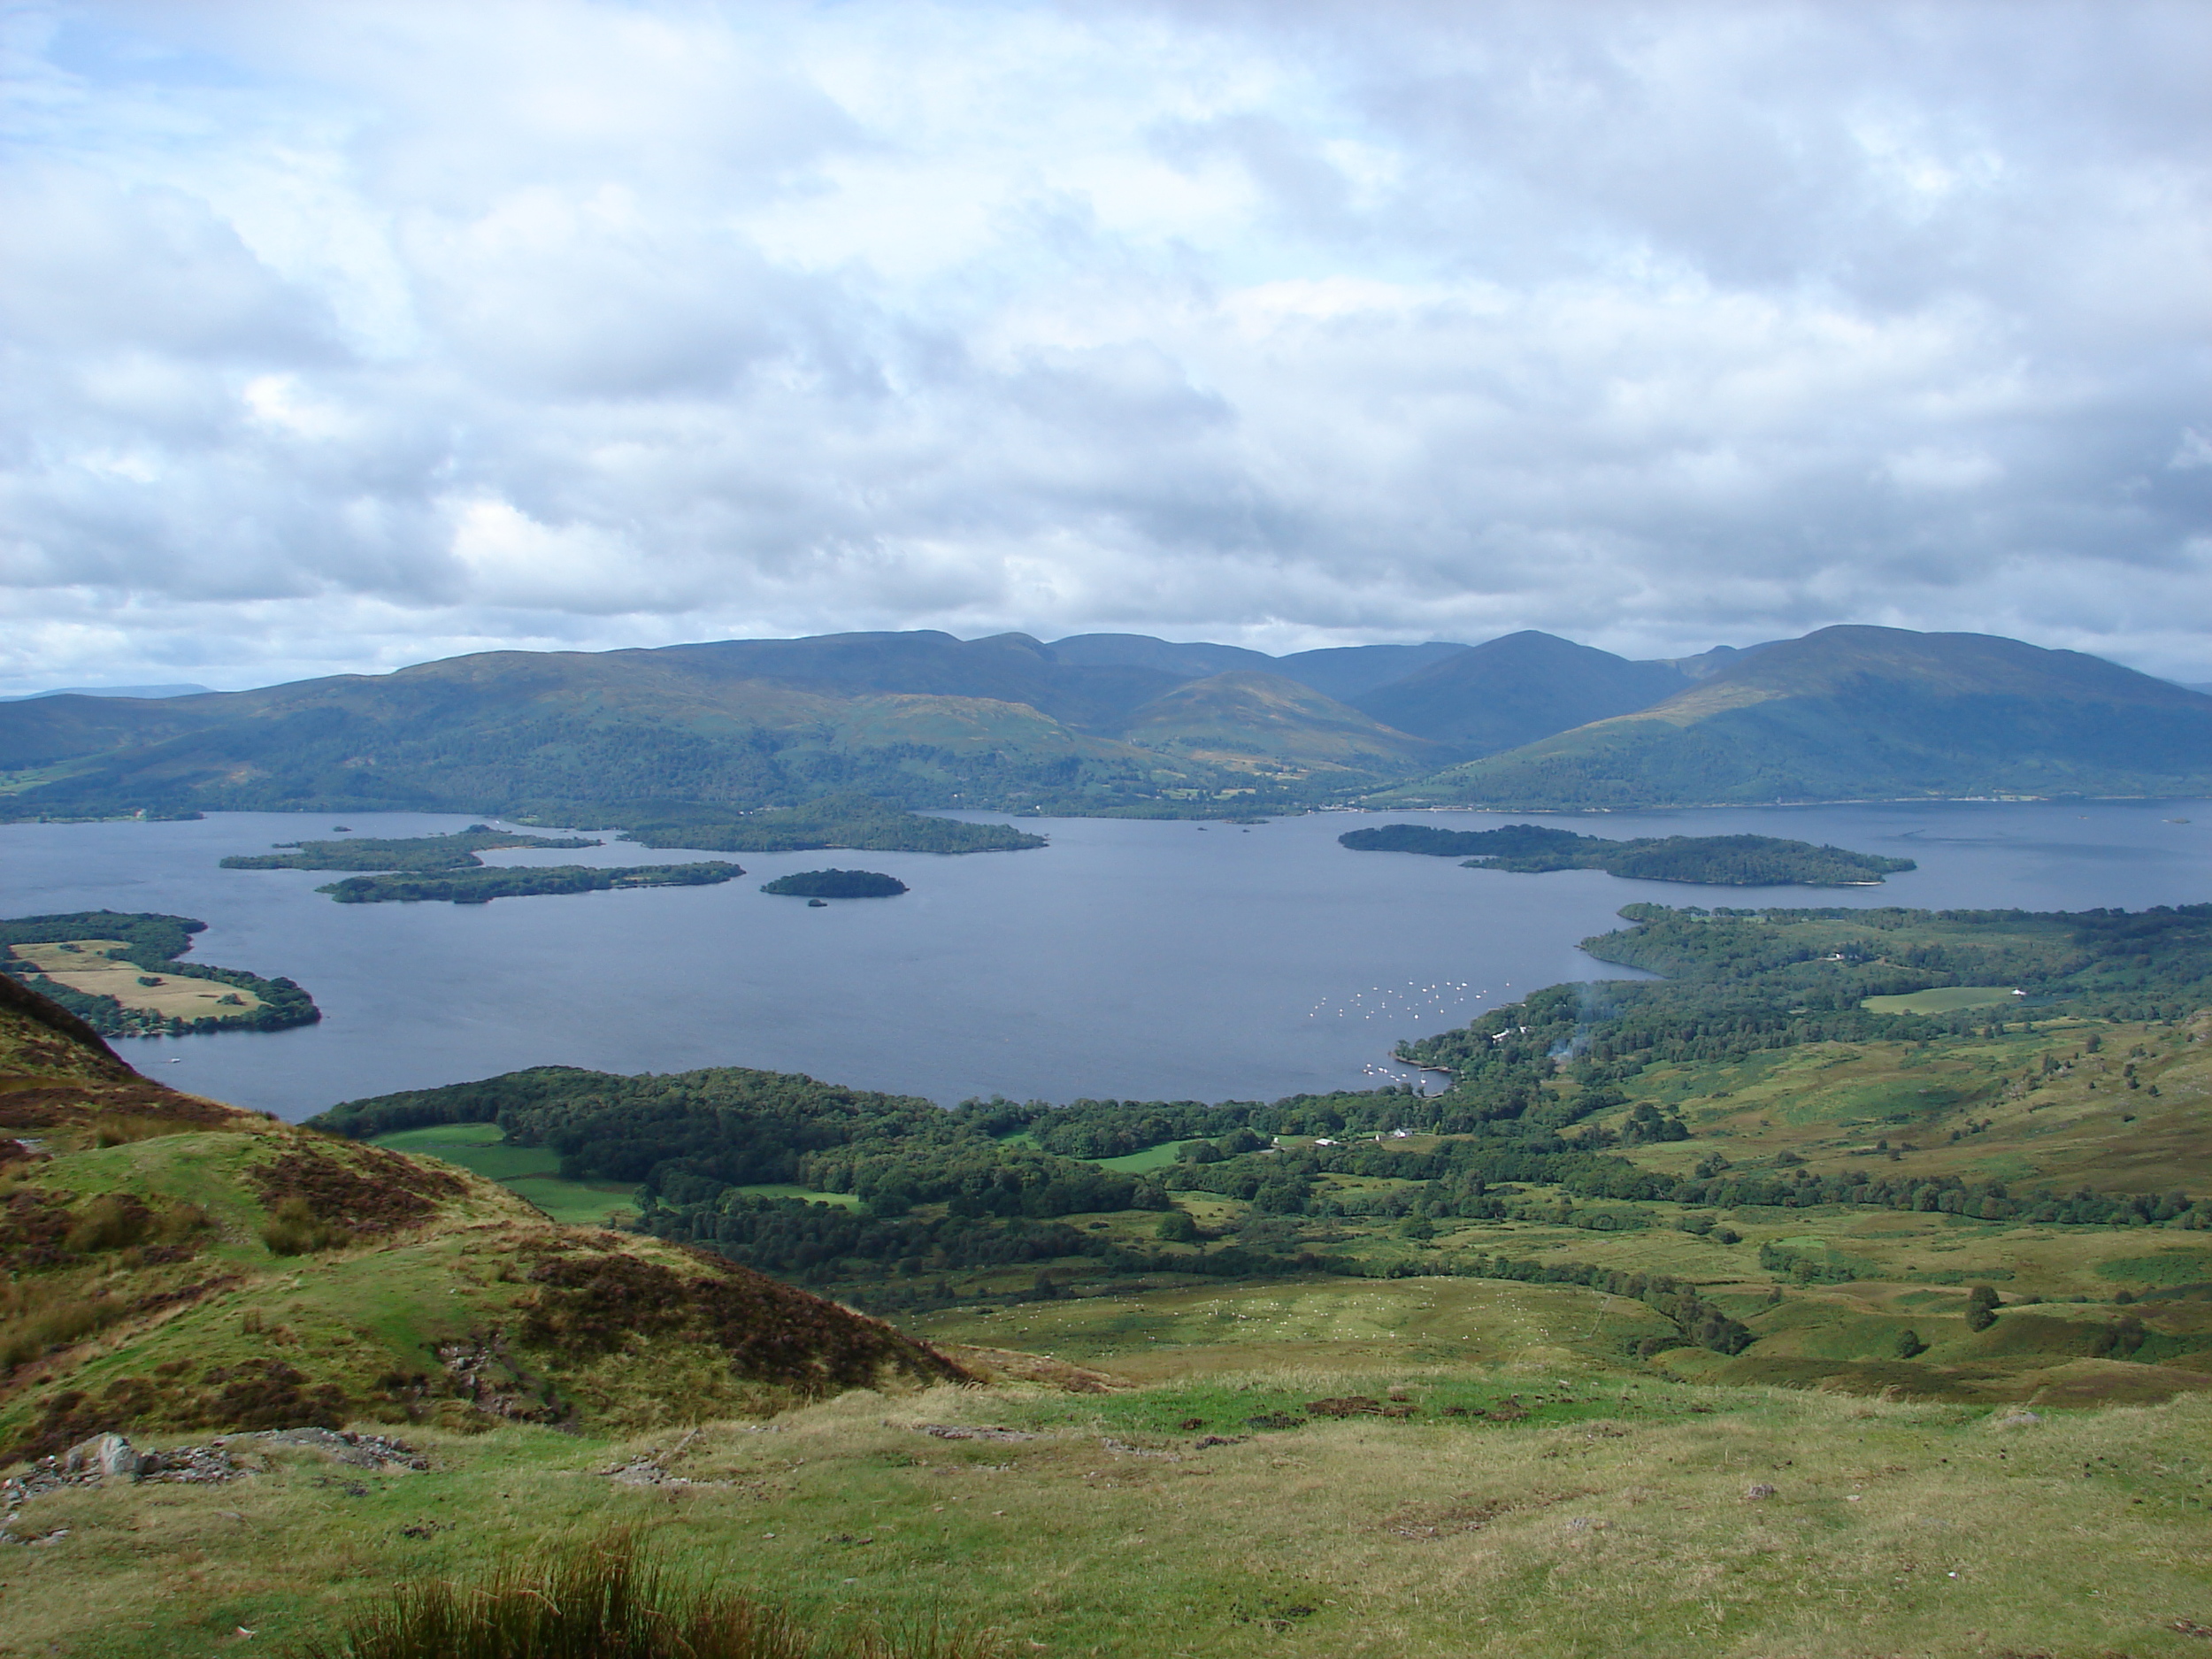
{"type": "Point", "coordinates": [923, 719]}
{"type": "Point", "coordinates": [1855, 712]}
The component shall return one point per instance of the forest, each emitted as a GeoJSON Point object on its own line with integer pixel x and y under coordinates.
{"type": "Point", "coordinates": [1705, 860]}
{"type": "Point", "coordinates": [153, 942]}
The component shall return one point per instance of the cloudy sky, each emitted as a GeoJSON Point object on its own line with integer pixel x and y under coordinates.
{"type": "Point", "coordinates": [343, 335]}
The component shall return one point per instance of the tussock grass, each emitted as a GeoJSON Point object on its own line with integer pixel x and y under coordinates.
{"type": "Point", "coordinates": [612, 1597]}
{"type": "Point", "coordinates": [1631, 1531]}
{"type": "Point", "coordinates": [42, 1314]}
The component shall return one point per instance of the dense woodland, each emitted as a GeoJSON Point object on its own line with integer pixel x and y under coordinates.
{"type": "Point", "coordinates": [1707, 860]}
{"type": "Point", "coordinates": [153, 942]}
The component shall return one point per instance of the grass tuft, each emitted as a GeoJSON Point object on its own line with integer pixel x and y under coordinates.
{"type": "Point", "coordinates": [609, 1598]}
{"type": "Point", "coordinates": [294, 1229]}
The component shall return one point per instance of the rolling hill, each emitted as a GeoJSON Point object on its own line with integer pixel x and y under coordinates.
{"type": "Point", "coordinates": [1864, 713]}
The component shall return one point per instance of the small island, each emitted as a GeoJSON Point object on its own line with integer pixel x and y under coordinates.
{"type": "Point", "coordinates": [416, 853]}
{"type": "Point", "coordinates": [118, 972]}
{"type": "Point", "coordinates": [1730, 861]}
{"type": "Point", "coordinates": [481, 886]}
{"type": "Point", "coordinates": [856, 823]}
{"type": "Point", "coordinates": [836, 884]}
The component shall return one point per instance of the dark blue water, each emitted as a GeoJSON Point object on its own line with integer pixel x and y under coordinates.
{"type": "Point", "coordinates": [1151, 960]}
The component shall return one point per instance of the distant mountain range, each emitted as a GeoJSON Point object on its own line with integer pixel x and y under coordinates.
{"type": "Point", "coordinates": [1125, 723]}
{"type": "Point", "coordinates": [183, 690]}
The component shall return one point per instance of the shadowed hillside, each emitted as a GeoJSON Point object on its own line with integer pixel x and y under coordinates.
{"type": "Point", "coordinates": [1516, 689]}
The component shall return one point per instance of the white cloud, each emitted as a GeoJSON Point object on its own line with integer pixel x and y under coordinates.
{"type": "Point", "coordinates": [345, 335]}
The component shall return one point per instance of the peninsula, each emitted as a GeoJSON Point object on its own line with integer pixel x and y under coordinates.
{"type": "Point", "coordinates": [118, 972]}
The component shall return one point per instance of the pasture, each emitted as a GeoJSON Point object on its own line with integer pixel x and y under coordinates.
{"type": "Point", "coordinates": [84, 964]}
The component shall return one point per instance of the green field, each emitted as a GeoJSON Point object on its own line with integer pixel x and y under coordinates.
{"type": "Point", "coordinates": [1142, 1162]}
{"type": "Point", "coordinates": [531, 1172]}
{"type": "Point", "coordinates": [784, 1189]}
{"type": "Point", "coordinates": [1943, 1000]}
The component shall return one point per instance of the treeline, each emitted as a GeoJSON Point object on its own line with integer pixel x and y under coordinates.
{"type": "Point", "coordinates": [481, 886]}
{"type": "Point", "coordinates": [689, 1138]}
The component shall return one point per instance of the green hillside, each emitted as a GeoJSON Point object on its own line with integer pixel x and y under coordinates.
{"type": "Point", "coordinates": [1275, 726]}
{"type": "Point", "coordinates": [1858, 713]}
{"type": "Point", "coordinates": [611, 737]}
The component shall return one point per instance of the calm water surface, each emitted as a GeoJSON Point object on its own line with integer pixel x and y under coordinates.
{"type": "Point", "coordinates": [1138, 960]}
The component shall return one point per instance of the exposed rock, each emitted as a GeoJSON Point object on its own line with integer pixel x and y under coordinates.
{"type": "Point", "coordinates": [107, 1455]}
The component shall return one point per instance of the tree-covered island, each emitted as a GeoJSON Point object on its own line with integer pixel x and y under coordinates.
{"type": "Point", "coordinates": [416, 855]}
{"type": "Point", "coordinates": [1739, 861]}
{"type": "Point", "coordinates": [836, 884]}
{"type": "Point", "coordinates": [856, 823]}
{"type": "Point", "coordinates": [481, 886]}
